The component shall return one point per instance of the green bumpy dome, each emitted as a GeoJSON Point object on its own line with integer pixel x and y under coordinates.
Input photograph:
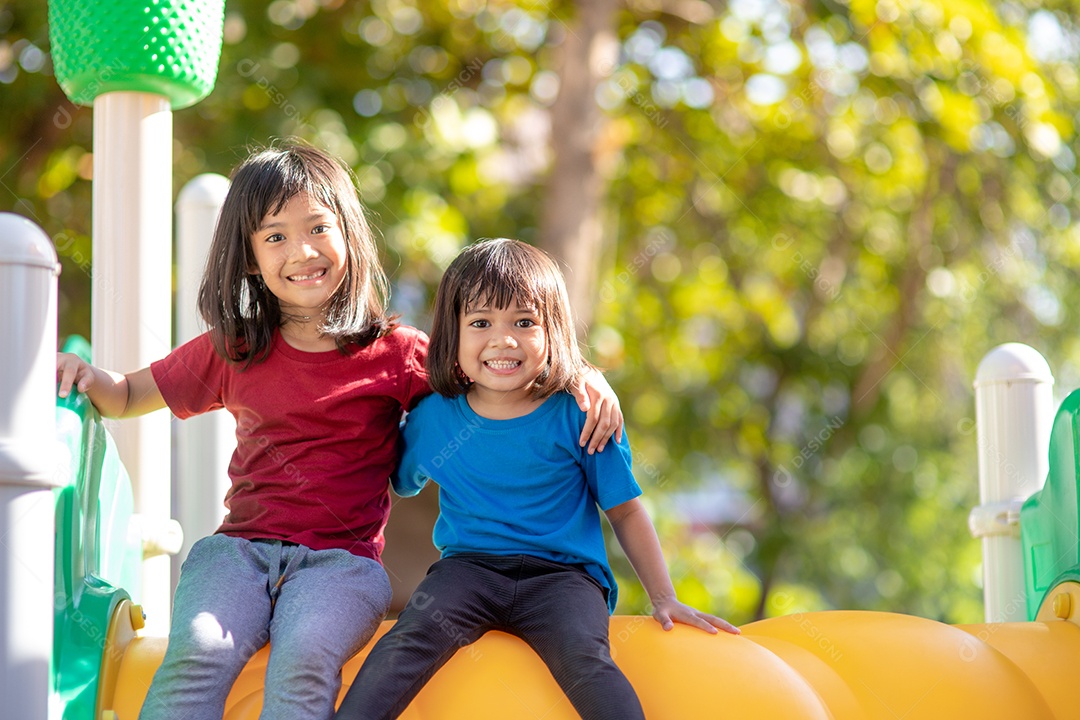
{"type": "Point", "coordinates": [167, 47]}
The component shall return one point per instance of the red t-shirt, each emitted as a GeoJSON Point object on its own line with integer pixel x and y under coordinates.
{"type": "Point", "coordinates": [316, 434]}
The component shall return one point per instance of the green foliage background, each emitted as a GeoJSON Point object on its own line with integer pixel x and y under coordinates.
{"type": "Point", "coordinates": [819, 217]}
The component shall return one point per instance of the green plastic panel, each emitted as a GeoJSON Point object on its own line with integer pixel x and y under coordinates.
{"type": "Point", "coordinates": [95, 553]}
{"type": "Point", "coordinates": [166, 47]}
{"type": "Point", "coordinates": [1050, 518]}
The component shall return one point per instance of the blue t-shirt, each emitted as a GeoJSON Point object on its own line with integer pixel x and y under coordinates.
{"type": "Point", "coordinates": [516, 487]}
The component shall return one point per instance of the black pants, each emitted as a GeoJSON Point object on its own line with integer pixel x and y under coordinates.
{"type": "Point", "coordinates": [559, 610]}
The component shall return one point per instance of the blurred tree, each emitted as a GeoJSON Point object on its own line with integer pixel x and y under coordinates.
{"type": "Point", "coordinates": [836, 211]}
{"type": "Point", "coordinates": [572, 228]}
{"type": "Point", "coordinates": [810, 221]}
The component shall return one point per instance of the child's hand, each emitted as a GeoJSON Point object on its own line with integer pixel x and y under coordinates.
{"type": "Point", "coordinates": [605, 419]}
{"type": "Point", "coordinates": [73, 371]}
{"type": "Point", "coordinates": [669, 612]}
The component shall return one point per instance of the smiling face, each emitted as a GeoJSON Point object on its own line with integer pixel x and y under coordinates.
{"type": "Point", "coordinates": [301, 255]}
{"type": "Point", "coordinates": [503, 351]}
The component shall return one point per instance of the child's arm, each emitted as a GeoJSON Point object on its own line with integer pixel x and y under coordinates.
{"type": "Point", "coordinates": [604, 419]}
{"type": "Point", "coordinates": [637, 536]}
{"type": "Point", "coordinates": [114, 395]}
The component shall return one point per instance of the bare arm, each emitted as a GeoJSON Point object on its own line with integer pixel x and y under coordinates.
{"type": "Point", "coordinates": [114, 395]}
{"type": "Point", "coordinates": [637, 536]}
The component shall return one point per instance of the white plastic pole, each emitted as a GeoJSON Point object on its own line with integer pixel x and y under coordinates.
{"type": "Point", "coordinates": [204, 444]}
{"type": "Point", "coordinates": [28, 271]}
{"type": "Point", "coordinates": [1014, 411]}
{"type": "Point", "coordinates": [132, 297]}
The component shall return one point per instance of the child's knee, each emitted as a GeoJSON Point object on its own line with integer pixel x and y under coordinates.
{"type": "Point", "coordinates": [206, 640]}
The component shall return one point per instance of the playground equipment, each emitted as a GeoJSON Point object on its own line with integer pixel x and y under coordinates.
{"type": "Point", "coordinates": [70, 639]}
{"type": "Point", "coordinates": [97, 556]}
{"type": "Point", "coordinates": [833, 665]}
{"type": "Point", "coordinates": [28, 270]}
{"type": "Point", "coordinates": [1014, 409]}
{"type": "Point", "coordinates": [203, 444]}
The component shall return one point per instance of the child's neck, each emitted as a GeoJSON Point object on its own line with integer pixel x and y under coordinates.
{"type": "Point", "coordinates": [306, 335]}
{"type": "Point", "coordinates": [499, 405]}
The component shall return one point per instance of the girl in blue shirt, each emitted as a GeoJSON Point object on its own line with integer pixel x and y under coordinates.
{"type": "Point", "coordinates": [521, 541]}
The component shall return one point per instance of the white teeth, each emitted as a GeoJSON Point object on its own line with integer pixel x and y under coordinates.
{"type": "Point", "coordinates": [502, 364]}
{"type": "Point", "coordinates": [307, 277]}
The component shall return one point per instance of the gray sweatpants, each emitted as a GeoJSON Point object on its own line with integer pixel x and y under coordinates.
{"type": "Point", "coordinates": [317, 608]}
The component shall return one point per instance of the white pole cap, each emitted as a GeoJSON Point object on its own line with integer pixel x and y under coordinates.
{"type": "Point", "coordinates": [24, 243]}
{"type": "Point", "coordinates": [1013, 362]}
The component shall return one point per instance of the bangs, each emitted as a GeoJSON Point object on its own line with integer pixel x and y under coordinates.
{"type": "Point", "coordinates": [276, 178]}
{"type": "Point", "coordinates": [505, 278]}
{"type": "Point", "coordinates": [479, 295]}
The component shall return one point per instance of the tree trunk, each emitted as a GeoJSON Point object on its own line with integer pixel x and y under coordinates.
{"type": "Point", "coordinates": [570, 225]}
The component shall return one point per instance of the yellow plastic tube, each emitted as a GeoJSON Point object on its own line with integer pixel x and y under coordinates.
{"type": "Point", "coordinates": [838, 665]}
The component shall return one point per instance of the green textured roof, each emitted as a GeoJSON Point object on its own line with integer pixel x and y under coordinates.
{"type": "Point", "coordinates": [167, 47]}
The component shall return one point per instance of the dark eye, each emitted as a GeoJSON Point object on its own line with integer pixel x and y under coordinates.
{"type": "Point", "coordinates": [526, 323]}
{"type": "Point", "coordinates": [480, 324]}
{"type": "Point", "coordinates": [276, 237]}
{"type": "Point", "coordinates": [320, 229]}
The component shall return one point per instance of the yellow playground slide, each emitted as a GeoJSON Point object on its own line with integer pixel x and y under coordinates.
{"type": "Point", "coordinates": [815, 666]}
